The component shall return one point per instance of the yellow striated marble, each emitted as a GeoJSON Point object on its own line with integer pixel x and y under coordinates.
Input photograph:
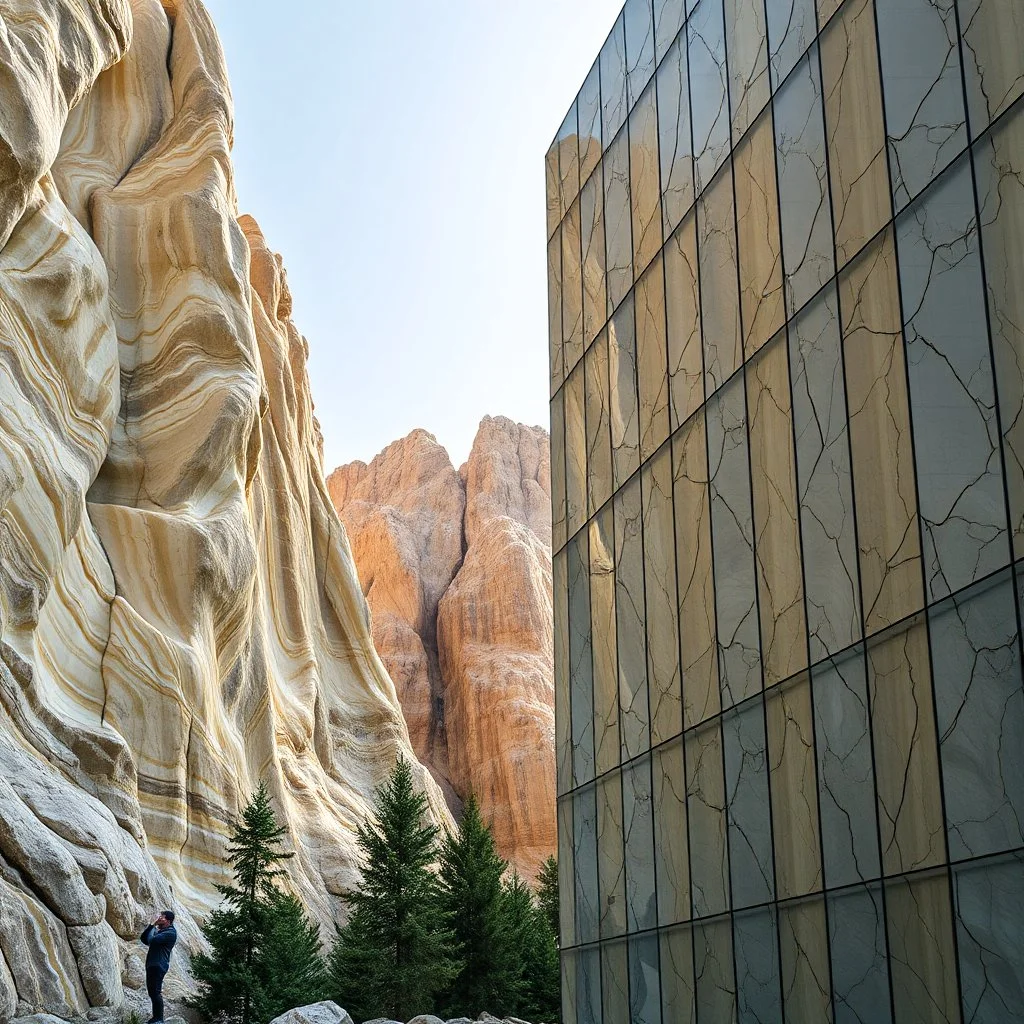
{"type": "Point", "coordinates": [180, 615]}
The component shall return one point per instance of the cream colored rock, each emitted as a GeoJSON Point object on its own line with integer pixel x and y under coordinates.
{"type": "Point", "coordinates": [180, 616]}
{"type": "Point", "coordinates": [456, 569]}
{"type": "Point", "coordinates": [326, 1012]}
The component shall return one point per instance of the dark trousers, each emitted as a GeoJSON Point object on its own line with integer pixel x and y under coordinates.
{"type": "Point", "coordinates": [154, 986]}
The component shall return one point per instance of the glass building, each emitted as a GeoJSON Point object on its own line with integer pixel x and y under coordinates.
{"type": "Point", "coordinates": [786, 280]}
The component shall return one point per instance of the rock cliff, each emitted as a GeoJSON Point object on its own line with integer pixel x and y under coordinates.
{"type": "Point", "coordinates": [456, 568]}
{"type": "Point", "coordinates": [179, 611]}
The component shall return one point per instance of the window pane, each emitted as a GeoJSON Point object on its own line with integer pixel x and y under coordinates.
{"type": "Point", "coordinates": [613, 82]}
{"type": "Point", "coordinates": [757, 965]}
{"type": "Point", "coordinates": [682, 307]}
{"type": "Point", "coordinates": [668, 20]}
{"type": "Point", "coordinates": [713, 969]}
{"type": "Point", "coordinates": [610, 856]}
{"type": "Point", "coordinates": [563, 725]}
{"type": "Point", "coordinates": [860, 971]}
{"type": "Point", "coordinates": [555, 354]}
{"type": "Point", "coordinates": [584, 815]}
{"type": "Point", "coordinates": [638, 827]}
{"type": "Point", "coordinates": [671, 846]}
{"type": "Point", "coordinates": [803, 184]}
{"type": "Point", "coordinates": [993, 39]}
{"type": "Point", "coordinates": [589, 108]}
{"type": "Point", "coordinates": [791, 29]}
{"type": "Point", "coordinates": [956, 437]}
{"type": "Point", "coordinates": [644, 182]}
{"type": "Point", "coordinates": [674, 136]}
{"type": "Point", "coordinates": [678, 993]}
{"type": "Point", "coordinates": [803, 937]}
{"type": "Point", "coordinates": [575, 452]}
{"type": "Point", "coordinates": [599, 440]}
{"type": "Point", "coordinates": [581, 678]}
{"type": "Point", "coordinates": [615, 981]}
{"type": "Point", "coordinates": [568, 159]}
{"type": "Point", "coordinates": [629, 622]}
{"type": "Point", "coordinates": [552, 188]}
{"type": "Point", "coordinates": [595, 296]}
{"type": "Point", "coordinates": [602, 617]}
{"type": "Point", "coordinates": [747, 47]}
{"type": "Point", "coordinates": [746, 787]}
{"type": "Point", "coordinates": [558, 509]}
{"type": "Point", "coordinates": [572, 288]}
{"type": "Point", "coordinates": [705, 33]}
{"type": "Point", "coordinates": [566, 874]}
{"type": "Point", "coordinates": [618, 240]}
{"type": "Point", "coordinates": [639, 46]}
{"type": "Point", "coordinates": [739, 658]}
{"type": "Point", "coordinates": [625, 427]}
{"type": "Point", "coordinates": [651, 355]}
{"type": "Point", "coordinates": [644, 981]}
{"type": "Point", "coordinates": [705, 806]}
{"type": "Point", "coordinates": [588, 987]}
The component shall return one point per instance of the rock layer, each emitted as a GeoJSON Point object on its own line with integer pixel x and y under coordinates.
{"type": "Point", "coordinates": [179, 611]}
{"type": "Point", "coordinates": [456, 568]}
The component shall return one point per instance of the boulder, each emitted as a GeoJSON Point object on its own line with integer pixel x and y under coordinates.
{"type": "Point", "coordinates": [99, 963]}
{"type": "Point", "coordinates": [326, 1012]}
{"type": "Point", "coordinates": [427, 1018]}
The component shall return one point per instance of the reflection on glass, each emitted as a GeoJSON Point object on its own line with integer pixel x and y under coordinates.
{"type": "Point", "coordinates": [629, 622]}
{"type": "Point", "coordinates": [618, 232]}
{"type": "Point", "coordinates": [644, 183]}
{"type": "Point", "coordinates": [589, 113]}
{"type": "Point", "coordinates": [676, 147]}
{"type": "Point", "coordinates": [747, 47]}
{"type": "Point", "coordinates": [705, 33]}
{"type": "Point", "coordinates": [581, 681]}
{"type": "Point", "coordinates": [638, 823]}
{"type": "Point", "coordinates": [757, 965]}
{"type": "Point", "coordinates": [652, 376]}
{"type": "Point", "coordinates": [639, 26]}
{"type": "Point", "coordinates": [613, 82]}
{"type": "Point", "coordinates": [602, 617]}
{"type": "Point", "coordinates": [625, 427]}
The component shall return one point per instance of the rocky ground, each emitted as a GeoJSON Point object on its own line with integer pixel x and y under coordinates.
{"type": "Point", "coordinates": [331, 1013]}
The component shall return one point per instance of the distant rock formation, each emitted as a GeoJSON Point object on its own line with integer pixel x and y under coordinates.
{"type": "Point", "coordinates": [179, 611]}
{"type": "Point", "coordinates": [456, 568]}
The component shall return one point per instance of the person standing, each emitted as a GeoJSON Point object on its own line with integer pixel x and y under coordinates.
{"type": "Point", "coordinates": [160, 936]}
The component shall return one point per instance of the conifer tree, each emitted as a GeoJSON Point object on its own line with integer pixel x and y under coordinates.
{"type": "Point", "coordinates": [547, 894]}
{"type": "Point", "coordinates": [289, 961]}
{"type": "Point", "coordinates": [394, 955]}
{"type": "Point", "coordinates": [472, 896]}
{"type": "Point", "coordinates": [539, 989]}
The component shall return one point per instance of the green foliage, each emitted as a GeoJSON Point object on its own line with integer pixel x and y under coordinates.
{"type": "Point", "coordinates": [539, 988]}
{"type": "Point", "coordinates": [264, 954]}
{"type": "Point", "coordinates": [394, 955]}
{"type": "Point", "coordinates": [547, 893]}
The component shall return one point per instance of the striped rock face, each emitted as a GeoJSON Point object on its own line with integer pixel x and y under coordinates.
{"type": "Point", "coordinates": [179, 612]}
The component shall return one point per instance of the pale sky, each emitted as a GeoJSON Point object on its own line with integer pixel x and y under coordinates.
{"type": "Point", "coordinates": [393, 153]}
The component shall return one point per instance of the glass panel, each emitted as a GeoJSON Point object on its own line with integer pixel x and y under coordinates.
{"type": "Point", "coordinates": [806, 988]}
{"type": "Point", "coordinates": [638, 824]}
{"type": "Point", "coordinates": [713, 968]}
{"type": "Point", "coordinates": [644, 181]}
{"type": "Point", "coordinates": [588, 986]}
{"type": "Point", "coordinates": [719, 288]}
{"type": "Point", "coordinates": [568, 159]}
{"type": "Point", "coordinates": [566, 873]}
{"type": "Point", "coordinates": [791, 30]}
{"type": "Point", "coordinates": [671, 846]}
{"type": "Point", "coordinates": [629, 622]}
{"type": "Point", "coordinates": [924, 984]}
{"type": "Point", "coordinates": [746, 787]}
{"type": "Point", "coordinates": [581, 673]}
{"type": "Point", "coordinates": [682, 304]}
{"type": "Point", "coordinates": [739, 658]}
{"type": "Point", "coordinates": [644, 982]}
{"type": "Point", "coordinates": [803, 186]}
{"type": "Point", "coordinates": [678, 993]}
{"type": "Point", "coordinates": [849, 827]}
{"type": "Point", "coordinates": [956, 436]}
{"type": "Point", "coordinates": [924, 100]}
{"type": "Point", "coordinates": [599, 440]}
{"type": "Point", "coordinates": [823, 478]}
{"type": "Point", "coordinates": [613, 82]}
{"type": "Point", "coordinates": [668, 20]}
{"type": "Point", "coordinates": [674, 136]}
{"type": "Point", "coordinates": [794, 788]}
{"type": "Point", "coordinates": [696, 583]}
{"type": "Point", "coordinates": [776, 527]}
{"type": "Point", "coordinates": [747, 47]}
{"type": "Point", "coordinates": [558, 508]}
{"type": "Point", "coordinates": [572, 288]}
{"type": "Point", "coordinates": [757, 966]}
{"type": "Point", "coordinates": [575, 452]}
{"type": "Point", "coordinates": [625, 427]}
{"type": "Point", "coordinates": [615, 981]}
{"type": "Point", "coordinates": [556, 358]}
{"type": "Point", "coordinates": [610, 856]}
{"type": "Point", "coordinates": [569, 987]}
{"type": "Point", "coordinates": [584, 817]}
{"type": "Point", "coordinates": [639, 46]}
{"type": "Point", "coordinates": [993, 40]}
{"type": "Point", "coordinates": [563, 723]}
{"type": "Point", "coordinates": [602, 617]}
{"type": "Point", "coordinates": [552, 186]}
{"type": "Point", "coordinates": [705, 807]}
{"type": "Point", "coordinates": [595, 296]}
{"type": "Point", "coordinates": [856, 137]}
{"type": "Point", "coordinates": [979, 697]}
{"type": "Point", "coordinates": [999, 163]}
{"type": "Point", "coordinates": [662, 604]}
{"type": "Point", "coordinates": [650, 353]}
{"type": "Point", "coordinates": [757, 214]}
{"type": "Point", "coordinates": [990, 935]}
{"type": "Point", "coordinates": [860, 971]}
{"type": "Point", "coordinates": [906, 761]}
{"type": "Point", "coordinates": [705, 33]}
{"type": "Point", "coordinates": [883, 467]}
{"type": "Point", "coordinates": [618, 237]}
{"type": "Point", "coordinates": [589, 107]}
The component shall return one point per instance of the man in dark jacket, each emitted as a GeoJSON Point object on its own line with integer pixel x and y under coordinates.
{"type": "Point", "coordinates": [160, 936]}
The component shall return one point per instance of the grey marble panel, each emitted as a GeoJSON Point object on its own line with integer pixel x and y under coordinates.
{"type": "Point", "coordinates": [860, 970]}
{"type": "Point", "coordinates": [846, 785]}
{"type": "Point", "coordinates": [758, 993]}
{"type": "Point", "coordinates": [705, 33]}
{"type": "Point", "coordinates": [644, 981]}
{"type": "Point", "coordinates": [613, 82]}
{"type": "Point", "coordinates": [831, 584]}
{"type": "Point", "coordinates": [639, 21]}
{"type": "Point", "coordinates": [739, 657]}
{"type": "Point", "coordinates": [747, 804]}
{"type": "Point", "coordinates": [791, 29]}
{"type": "Point", "coordinates": [638, 830]}
{"type": "Point", "coordinates": [979, 703]}
{"type": "Point", "coordinates": [989, 898]}
{"type": "Point", "coordinates": [584, 820]}
{"type": "Point", "coordinates": [806, 213]}
{"type": "Point", "coordinates": [675, 143]}
{"type": "Point", "coordinates": [952, 395]}
{"type": "Point", "coordinates": [581, 666]}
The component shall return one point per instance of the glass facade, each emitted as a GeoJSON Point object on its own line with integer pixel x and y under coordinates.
{"type": "Point", "coordinates": [786, 281]}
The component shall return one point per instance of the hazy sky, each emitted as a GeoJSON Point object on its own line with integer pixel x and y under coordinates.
{"type": "Point", "coordinates": [393, 152]}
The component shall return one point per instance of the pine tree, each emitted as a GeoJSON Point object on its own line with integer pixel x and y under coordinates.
{"type": "Point", "coordinates": [394, 955]}
{"type": "Point", "coordinates": [472, 896]}
{"type": "Point", "coordinates": [539, 977]}
{"type": "Point", "coordinates": [547, 894]}
{"type": "Point", "coordinates": [263, 951]}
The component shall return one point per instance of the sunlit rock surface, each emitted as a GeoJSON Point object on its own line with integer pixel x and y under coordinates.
{"type": "Point", "coordinates": [180, 616]}
{"type": "Point", "coordinates": [456, 568]}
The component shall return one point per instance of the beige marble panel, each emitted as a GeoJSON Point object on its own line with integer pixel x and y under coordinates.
{"type": "Point", "coordinates": [575, 452]}
{"type": "Point", "coordinates": [993, 48]}
{"type": "Point", "coordinates": [599, 442]}
{"type": "Point", "coordinates": [671, 846]}
{"type": "Point", "coordinates": [652, 375]}
{"type": "Point", "coordinates": [572, 288]}
{"type": "Point", "coordinates": [746, 39]}
{"type": "Point", "coordinates": [705, 810]}
{"type": "Point", "coordinates": [803, 943]}
{"type": "Point", "coordinates": [558, 455]}
{"type": "Point", "coordinates": [556, 355]}
{"type": "Point", "coordinates": [682, 305]}
{"type": "Point", "coordinates": [678, 992]}
{"type": "Point", "coordinates": [602, 619]}
{"type": "Point", "coordinates": [595, 294]}
{"type": "Point", "coordinates": [645, 180]}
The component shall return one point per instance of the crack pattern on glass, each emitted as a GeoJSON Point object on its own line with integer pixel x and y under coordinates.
{"type": "Point", "coordinates": [652, 372]}
{"type": "Point", "coordinates": [806, 988]}
{"type": "Point", "coordinates": [584, 819]}
{"type": "Point", "coordinates": [992, 34]}
{"type": "Point", "coordinates": [644, 181]}
{"type": "Point", "coordinates": [575, 452]}
{"type": "Point", "coordinates": [705, 34]}
{"type": "Point", "coordinates": [682, 310]}
{"type": "Point", "coordinates": [611, 865]}
{"type": "Point", "coordinates": [638, 835]}
{"type": "Point", "coordinates": [747, 52]}
{"type": "Point", "coordinates": [671, 846]}
{"type": "Point", "coordinates": [678, 992]}
{"type": "Point", "coordinates": [598, 421]}
{"type": "Point", "coordinates": [625, 425]}
{"type": "Point", "coordinates": [713, 971]}
{"type": "Point", "coordinates": [705, 811]}
{"type": "Point", "coordinates": [602, 618]}
{"type": "Point", "coordinates": [756, 952]}
{"type": "Point", "coordinates": [674, 139]}
{"type": "Point", "coordinates": [581, 672]}
{"type": "Point", "coordinates": [860, 968]}
{"type": "Point", "coordinates": [644, 983]}
{"type": "Point", "coordinates": [791, 30]}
